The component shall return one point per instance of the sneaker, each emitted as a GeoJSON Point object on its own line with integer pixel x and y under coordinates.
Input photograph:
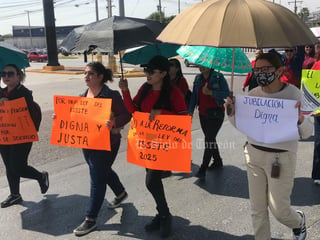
{"type": "Point", "coordinates": [117, 201]}
{"type": "Point", "coordinates": [11, 199]}
{"type": "Point", "coordinates": [216, 164]}
{"type": "Point", "coordinates": [165, 225]}
{"type": "Point", "coordinates": [154, 224]}
{"type": "Point", "coordinates": [85, 227]}
{"type": "Point", "coordinates": [300, 233]}
{"type": "Point", "coordinates": [44, 185]}
{"type": "Point", "coordinates": [201, 174]}
{"type": "Point", "coordinates": [316, 181]}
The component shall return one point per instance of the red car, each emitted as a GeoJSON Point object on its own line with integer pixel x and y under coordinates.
{"type": "Point", "coordinates": [37, 56]}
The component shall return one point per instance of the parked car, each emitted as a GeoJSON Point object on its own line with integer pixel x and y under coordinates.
{"type": "Point", "coordinates": [37, 56]}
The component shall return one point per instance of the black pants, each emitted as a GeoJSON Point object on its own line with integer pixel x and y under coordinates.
{"type": "Point", "coordinates": [316, 151]}
{"type": "Point", "coordinates": [210, 128]}
{"type": "Point", "coordinates": [155, 187]}
{"type": "Point", "coordinates": [15, 158]}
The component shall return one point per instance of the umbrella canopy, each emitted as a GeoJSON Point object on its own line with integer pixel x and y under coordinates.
{"type": "Point", "coordinates": [217, 58]}
{"type": "Point", "coordinates": [9, 54]}
{"type": "Point", "coordinates": [237, 23]}
{"type": "Point", "coordinates": [144, 54]}
{"type": "Point", "coordinates": [112, 35]}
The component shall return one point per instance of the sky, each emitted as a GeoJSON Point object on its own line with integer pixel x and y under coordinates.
{"type": "Point", "coordinates": [79, 12]}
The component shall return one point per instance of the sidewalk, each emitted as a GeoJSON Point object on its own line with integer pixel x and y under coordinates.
{"type": "Point", "coordinates": [78, 66]}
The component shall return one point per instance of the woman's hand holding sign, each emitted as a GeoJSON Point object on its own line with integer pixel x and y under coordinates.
{"type": "Point", "coordinates": [110, 123]}
{"type": "Point", "coordinates": [153, 113]}
{"type": "Point", "coordinates": [230, 103]}
{"type": "Point", "coordinates": [301, 116]}
{"type": "Point", "coordinates": [2, 100]}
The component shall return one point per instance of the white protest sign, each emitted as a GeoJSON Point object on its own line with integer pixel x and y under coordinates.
{"type": "Point", "coordinates": [267, 120]}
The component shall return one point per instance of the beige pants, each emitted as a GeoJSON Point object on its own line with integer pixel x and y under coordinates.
{"type": "Point", "coordinates": [270, 192]}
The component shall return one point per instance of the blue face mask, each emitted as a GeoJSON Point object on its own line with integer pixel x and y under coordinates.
{"type": "Point", "coordinates": [264, 79]}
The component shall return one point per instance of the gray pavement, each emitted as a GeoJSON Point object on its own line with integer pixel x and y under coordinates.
{"type": "Point", "coordinates": [217, 209]}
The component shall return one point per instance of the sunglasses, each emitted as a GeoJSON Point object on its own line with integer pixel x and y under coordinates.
{"type": "Point", "coordinates": [289, 50]}
{"type": "Point", "coordinates": [9, 74]}
{"type": "Point", "coordinates": [150, 71]}
{"type": "Point", "coordinates": [262, 69]}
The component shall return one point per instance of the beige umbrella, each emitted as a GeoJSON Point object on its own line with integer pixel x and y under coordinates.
{"type": "Point", "coordinates": [237, 23]}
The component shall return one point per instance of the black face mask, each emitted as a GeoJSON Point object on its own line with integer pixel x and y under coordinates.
{"type": "Point", "coordinates": [264, 79]}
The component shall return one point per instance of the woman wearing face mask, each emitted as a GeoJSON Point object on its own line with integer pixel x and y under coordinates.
{"type": "Point", "coordinates": [264, 190]}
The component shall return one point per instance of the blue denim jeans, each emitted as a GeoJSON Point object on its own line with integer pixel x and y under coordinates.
{"type": "Point", "coordinates": [316, 151]}
{"type": "Point", "coordinates": [101, 175]}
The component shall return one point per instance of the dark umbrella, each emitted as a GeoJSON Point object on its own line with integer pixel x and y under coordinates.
{"type": "Point", "coordinates": [144, 54]}
{"type": "Point", "coordinates": [112, 35]}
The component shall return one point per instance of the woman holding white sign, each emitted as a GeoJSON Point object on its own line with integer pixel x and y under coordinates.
{"type": "Point", "coordinates": [100, 161]}
{"type": "Point", "coordinates": [15, 156]}
{"type": "Point", "coordinates": [271, 167]}
{"type": "Point", "coordinates": [156, 96]}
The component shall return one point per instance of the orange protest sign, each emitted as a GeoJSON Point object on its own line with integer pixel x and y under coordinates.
{"type": "Point", "coordinates": [163, 144]}
{"type": "Point", "coordinates": [81, 122]}
{"type": "Point", "coordinates": [16, 125]}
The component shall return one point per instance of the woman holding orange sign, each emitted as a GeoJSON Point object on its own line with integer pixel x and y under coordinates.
{"type": "Point", "coordinates": [100, 161]}
{"type": "Point", "coordinates": [156, 96]}
{"type": "Point", "coordinates": [15, 156]}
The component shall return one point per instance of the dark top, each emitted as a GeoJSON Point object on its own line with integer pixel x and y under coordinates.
{"type": "Point", "coordinates": [120, 113]}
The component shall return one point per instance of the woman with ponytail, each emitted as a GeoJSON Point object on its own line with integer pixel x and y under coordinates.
{"type": "Point", "coordinates": [100, 161]}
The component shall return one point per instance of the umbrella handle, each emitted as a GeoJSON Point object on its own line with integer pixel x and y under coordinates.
{"type": "Point", "coordinates": [121, 66]}
{"type": "Point", "coordinates": [229, 109]}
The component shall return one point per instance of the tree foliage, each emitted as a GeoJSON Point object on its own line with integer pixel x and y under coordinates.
{"type": "Point", "coordinates": [156, 16]}
{"type": "Point", "coordinates": [304, 14]}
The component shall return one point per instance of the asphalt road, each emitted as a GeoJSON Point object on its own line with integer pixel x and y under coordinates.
{"type": "Point", "coordinates": [217, 209]}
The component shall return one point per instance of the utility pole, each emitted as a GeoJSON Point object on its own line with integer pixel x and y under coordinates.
{"type": "Point", "coordinates": [178, 6]}
{"type": "Point", "coordinates": [49, 23]}
{"type": "Point", "coordinates": [109, 8]}
{"type": "Point", "coordinates": [30, 33]}
{"type": "Point", "coordinates": [121, 8]}
{"type": "Point", "coordinates": [159, 9]}
{"type": "Point", "coordinates": [97, 11]}
{"type": "Point", "coordinates": [295, 5]}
